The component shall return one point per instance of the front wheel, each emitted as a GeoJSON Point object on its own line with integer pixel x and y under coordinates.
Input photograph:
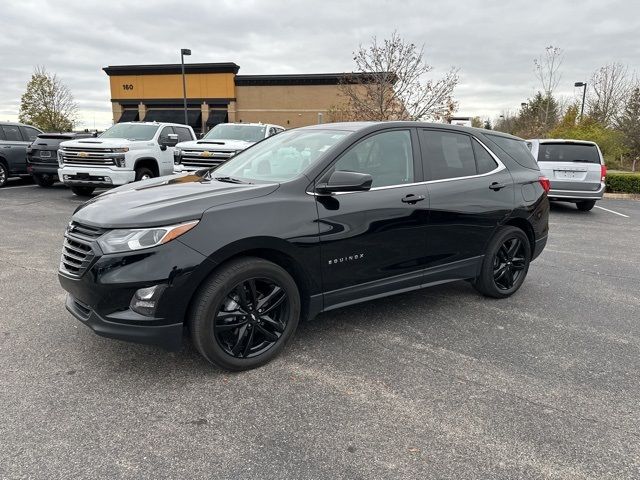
{"type": "Point", "coordinates": [4, 175]}
{"type": "Point", "coordinates": [143, 173]}
{"type": "Point", "coordinates": [83, 191]}
{"type": "Point", "coordinates": [586, 205]}
{"type": "Point", "coordinates": [505, 264]}
{"type": "Point", "coordinates": [245, 314]}
{"type": "Point", "coordinates": [44, 180]}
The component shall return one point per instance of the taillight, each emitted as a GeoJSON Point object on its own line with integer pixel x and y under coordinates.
{"type": "Point", "coordinates": [545, 184]}
{"type": "Point", "coordinates": [603, 172]}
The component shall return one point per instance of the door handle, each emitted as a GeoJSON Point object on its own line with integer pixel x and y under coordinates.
{"type": "Point", "coordinates": [411, 198]}
{"type": "Point", "coordinates": [495, 186]}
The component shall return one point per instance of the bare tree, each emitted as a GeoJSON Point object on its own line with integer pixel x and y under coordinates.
{"type": "Point", "coordinates": [48, 103]}
{"type": "Point", "coordinates": [547, 70]}
{"type": "Point", "coordinates": [389, 84]}
{"type": "Point", "coordinates": [610, 86]}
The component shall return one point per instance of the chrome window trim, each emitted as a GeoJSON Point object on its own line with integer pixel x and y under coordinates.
{"type": "Point", "coordinates": [501, 166]}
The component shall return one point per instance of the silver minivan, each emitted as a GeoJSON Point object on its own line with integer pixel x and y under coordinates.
{"type": "Point", "coordinates": [575, 168]}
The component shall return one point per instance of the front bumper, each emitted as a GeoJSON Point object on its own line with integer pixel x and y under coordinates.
{"type": "Point", "coordinates": [100, 296]}
{"type": "Point", "coordinates": [571, 195]}
{"type": "Point", "coordinates": [88, 176]}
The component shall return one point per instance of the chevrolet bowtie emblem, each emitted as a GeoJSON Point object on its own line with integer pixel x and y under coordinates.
{"type": "Point", "coordinates": [206, 154]}
{"type": "Point", "coordinates": [83, 154]}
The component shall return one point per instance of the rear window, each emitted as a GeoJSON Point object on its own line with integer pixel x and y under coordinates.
{"type": "Point", "coordinates": [568, 152]}
{"type": "Point", "coordinates": [516, 149]}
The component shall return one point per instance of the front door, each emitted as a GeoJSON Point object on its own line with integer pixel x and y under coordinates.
{"type": "Point", "coordinates": [14, 148]}
{"type": "Point", "coordinates": [373, 242]}
{"type": "Point", "coordinates": [470, 193]}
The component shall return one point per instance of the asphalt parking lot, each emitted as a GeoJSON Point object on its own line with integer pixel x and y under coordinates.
{"type": "Point", "coordinates": [438, 383]}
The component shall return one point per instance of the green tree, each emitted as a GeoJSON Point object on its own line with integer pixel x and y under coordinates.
{"type": "Point", "coordinates": [629, 126]}
{"type": "Point", "coordinates": [476, 122]}
{"type": "Point", "coordinates": [48, 103]}
{"type": "Point", "coordinates": [487, 124]}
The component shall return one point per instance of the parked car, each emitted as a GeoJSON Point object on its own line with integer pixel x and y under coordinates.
{"type": "Point", "coordinates": [124, 153]}
{"type": "Point", "coordinates": [220, 144]}
{"type": "Point", "coordinates": [14, 140]}
{"type": "Point", "coordinates": [306, 221]}
{"type": "Point", "coordinates": [42, 156]}
{"type": "Point", "coordinates": [575, 168]}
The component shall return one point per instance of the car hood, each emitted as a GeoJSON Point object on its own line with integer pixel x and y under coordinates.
{"type": "Point", "coordinates": [205, 144]}
{"type": "Point", "coordinates": [164, 201]}
{"type": "Point", "coordinates": [105, 143]}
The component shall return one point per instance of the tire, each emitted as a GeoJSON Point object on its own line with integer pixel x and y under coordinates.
{"type": "Point", "coordinates": [4, 174]}
{"type": "Point", "coordinates": [505, 264]}
{"type": "Point", "coordinates": [44, 180]}
{"type": "Point", "coordinates": [586, 205]}
{"type": "Point", "coordinates": [83, 191]}
{"type": "Point", "coordinates": [143, 173]}
{"type": "Point", "coordinates": [225, 326]}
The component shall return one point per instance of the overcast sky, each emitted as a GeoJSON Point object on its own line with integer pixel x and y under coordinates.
{"type": "Point", "coordinates": [493, 43]}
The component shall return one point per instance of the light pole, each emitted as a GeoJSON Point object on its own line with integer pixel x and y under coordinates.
{"type": "Point", "coordinates": [183, 52]}
{"type": "Point", "coordinates": [584, 92]}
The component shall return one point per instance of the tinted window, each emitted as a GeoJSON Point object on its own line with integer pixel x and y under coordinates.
{"type": "Point", "coordinates": [568, 152]}
{"type": "Point", "coordinates": [447, 154]}
{"type": "Point", "coordinates": [164, 134]}
{"type": "Point", "coordinates": [131, 131]}
{"type": "Point", "coordinates": [184, 135]}
{"type": "Point", "coordinates": [386, 156]}
{"type": "Point", "coordinates": [12, 133]}
{"type": "Point", "coordinates": [516, 149]}
{"type": "Point", "coordinates": [484, 161]}
{"type": "Point", "coordinates": [29, 133]}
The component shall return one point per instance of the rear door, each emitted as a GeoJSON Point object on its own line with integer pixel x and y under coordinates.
{"type": "Point", "coordinates": [13, 147]}
{"type": "Point", "coordinates": [470, 193]}
{"type": "Point", "coordinates": [570, 166]}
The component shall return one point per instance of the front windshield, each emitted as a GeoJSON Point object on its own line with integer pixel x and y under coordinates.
{"type": "Point", "coordinates": [281, 157]}
{"type": "Point", "coordinates": [131, 131]}
{"type": "Point", "coordinates": [232, 131]}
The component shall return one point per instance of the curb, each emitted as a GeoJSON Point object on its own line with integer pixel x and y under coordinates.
{"type": "Point", "coordinates": [620, 196]}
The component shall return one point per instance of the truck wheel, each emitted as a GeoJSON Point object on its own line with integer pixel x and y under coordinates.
{"type": "Point", "coordinates": [44, 180]}
{"type": "Point", "coordinates": [245, 314]}
{"type": "Point", "coordinates": [143, 173]}
{"type": "Point", "coordinates": [83, 191]}
{"type": "Point", "coordinates": [4, 174]}
{"type": "Point", "coordinates": [586, 205]}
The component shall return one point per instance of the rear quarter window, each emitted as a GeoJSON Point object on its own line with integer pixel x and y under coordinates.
{"type": "Point", "coordinates": [516, 149]}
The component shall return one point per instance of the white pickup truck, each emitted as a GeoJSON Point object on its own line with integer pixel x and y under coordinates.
{"type": "Point", "coordinates": [124, 153]}
{"type": "Point", "coordinates": [220, 144]}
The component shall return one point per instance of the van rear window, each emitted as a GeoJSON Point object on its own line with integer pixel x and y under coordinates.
{"type": "Point", "coordinates": [568, 152]}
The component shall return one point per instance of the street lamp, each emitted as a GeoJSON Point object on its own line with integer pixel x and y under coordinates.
{"type": "Point", "coordinates": [183, 52]}
{"type": "Point", "coordinates": [584, 92]}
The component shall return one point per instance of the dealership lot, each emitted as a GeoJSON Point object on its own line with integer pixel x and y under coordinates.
{"type": "Point", "coordinates": [438, 383]}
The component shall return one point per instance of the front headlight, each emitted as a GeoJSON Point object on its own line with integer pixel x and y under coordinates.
{"type": "Point", "coordinates": [60, 159]}
{"type": "Point", "coordinates": [126, 240]}
{"type": "Point", "coordinates": [177, 152]}
{"type": "Point", "coordinates": [120, 150]}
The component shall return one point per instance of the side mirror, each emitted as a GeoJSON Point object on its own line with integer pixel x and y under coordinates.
{"type": "Point", "coordinates": [171, 140]}
{"type": "Point", "coordinates": [344, 181]}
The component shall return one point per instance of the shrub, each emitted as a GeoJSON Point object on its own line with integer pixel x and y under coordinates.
{"type": "Point", "coordinates": [623, 182]}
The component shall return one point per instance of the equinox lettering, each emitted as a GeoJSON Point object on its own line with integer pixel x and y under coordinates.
{"type": "Point", "coordinates": [350, 258]}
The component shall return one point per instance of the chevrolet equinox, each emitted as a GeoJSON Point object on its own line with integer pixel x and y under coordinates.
{"type": "Point", "coordinates": [300, 223]}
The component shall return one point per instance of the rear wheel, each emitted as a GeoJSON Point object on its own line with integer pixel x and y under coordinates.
{"type": "Point", "coordinates": [586, 205]}
{"type": "Point", "coordinates": [83, 191]}
{"type": "Point", "coordinates": [44, 180]}
{"type": "Point", "coordinates": [505, 264]}
{"type": "Point", "coordinates": [245, 314]}
{"type": "Point", "coordinates": [4, 175]}
{"type": "Point", "coordinates": [143, 173]}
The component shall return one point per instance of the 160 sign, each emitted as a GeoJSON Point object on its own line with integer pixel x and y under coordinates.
{"type": "Point", "coordinates": [127, 86]}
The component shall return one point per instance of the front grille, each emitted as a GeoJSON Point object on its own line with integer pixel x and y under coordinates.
{"type": "Point", "coordinates": [205, 159]}
{"type": "Point", "coordinates": [93, 156]}
{"type": "Point", "coordinates": [77, 250]}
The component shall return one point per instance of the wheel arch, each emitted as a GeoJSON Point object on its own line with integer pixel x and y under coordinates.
{"type": "Point", "coordinates": [148, 162]}
{"type": "Point", "coordinates": [524, 225]}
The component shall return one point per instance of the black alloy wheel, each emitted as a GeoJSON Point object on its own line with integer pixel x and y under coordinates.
{"type": "Point", "coordinates": [252, 318]}
{"type": "Point", "coordinates": [505, 264]}
{"type": "Point", "coordinates": [4, 174]}
{"type": "Point", "coordinates": [509, 263]}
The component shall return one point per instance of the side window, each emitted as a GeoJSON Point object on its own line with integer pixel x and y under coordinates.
{"type": "Point", "coordinates": [29, 133]}
{"type": "Point", "coordinates": [484, 160]}
{"type": "Point", "coordinates": [386, 156]}
{"type": "Point", "coordinates": [273, 131]}
{"type": "Point", "coordinates": [184, 135]}
{"type": "Point", "coordinates": [12, 133]}
{"type": "Point", "coordinates": [447, 154]}
{"type": "Point", "coordinates": [164, 134]}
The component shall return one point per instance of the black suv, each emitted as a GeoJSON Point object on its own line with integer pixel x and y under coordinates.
{"type": "Point", "coordinates": [42, 156]}
{"type": "Point", "coordinates": [14, 140]}
{"type": "Point", "coordinates": [303, 222]}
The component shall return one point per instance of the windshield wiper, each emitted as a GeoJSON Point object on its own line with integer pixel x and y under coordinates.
{"type": "Point", "coordinates": [230, 180]}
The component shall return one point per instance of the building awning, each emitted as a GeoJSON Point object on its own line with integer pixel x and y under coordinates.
{"type": "Point", "coordinates": [194, 117]}
{"type": "Point", "coordinates": [129, 115]}
{"type": "Point", "coordinates": [216, 117]}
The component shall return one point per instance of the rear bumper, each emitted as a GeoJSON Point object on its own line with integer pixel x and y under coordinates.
{"type": "Point", "coordinates": [165, 336]}
{"type": "Point", "coordinates": [539, 247]}
{"type": "Point", "coordinates": [570, 195]}
{"type": "Point", "coordinates": [43, 169]}
{"type": "Point", "coordinates": [95, 176]}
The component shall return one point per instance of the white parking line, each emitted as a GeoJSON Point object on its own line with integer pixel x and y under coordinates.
{"type": "Point", "coordinates": [9, 187]}
{"type": "Point", "coordinates": [611, 211]}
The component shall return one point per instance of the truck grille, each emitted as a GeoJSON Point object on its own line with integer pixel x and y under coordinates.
{"type": "Point", "coordinates": [93, 156]}
{"type": "Point", "coordinates": [77, 250]}
{"type": "Point", "coordinates": [205, 159]}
